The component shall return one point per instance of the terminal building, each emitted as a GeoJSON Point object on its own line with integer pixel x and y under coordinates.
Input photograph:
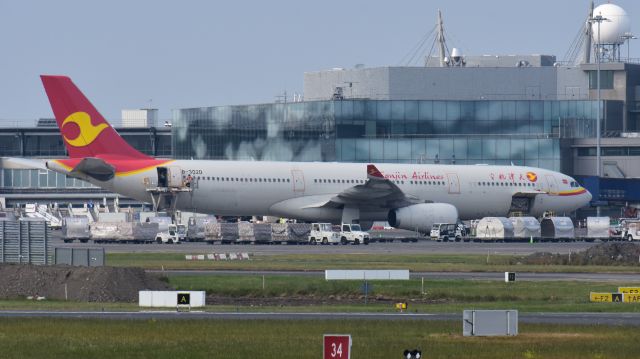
{"type": "Point", "coordinates": [528, 110]}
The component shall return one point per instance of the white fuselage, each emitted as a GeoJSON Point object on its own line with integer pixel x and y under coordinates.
{"type": "Point", "coordinates": [298, 189]}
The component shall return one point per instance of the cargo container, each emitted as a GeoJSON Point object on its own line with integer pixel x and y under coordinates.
{"type": "Point", "coordinates": [494, 228]}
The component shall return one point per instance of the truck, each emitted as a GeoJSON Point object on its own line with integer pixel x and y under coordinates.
{"type": "Point", "coordinates": [322, 233]}
{"type": "Point", "coordinates": [447, 232]}
{"type": "Point", "coordinates": [181, 229]}
{"type": "Point", "coordinates": [353, 233]}
{"type": "Point", "coordinates": [171, 235]}
{"type": "Point", "coordinates": [631, 230]}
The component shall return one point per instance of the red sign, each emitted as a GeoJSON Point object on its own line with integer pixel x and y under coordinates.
{"type": "Point", "coordinates": [337, 346]}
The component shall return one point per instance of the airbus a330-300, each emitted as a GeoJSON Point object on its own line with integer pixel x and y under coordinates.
{"type": "Point", "coordinates": [409, 196]}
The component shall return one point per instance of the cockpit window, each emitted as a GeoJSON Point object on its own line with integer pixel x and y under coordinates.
{"type": "Point", "coordinates": [574, 184]}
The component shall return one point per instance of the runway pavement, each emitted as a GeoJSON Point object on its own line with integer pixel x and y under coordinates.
{"type": "Point", "coordinates": [421, 247]}
{"type": "Point", "coordinates": [499, 276]}
{"type": "Point", "coordinates": [548, 318]}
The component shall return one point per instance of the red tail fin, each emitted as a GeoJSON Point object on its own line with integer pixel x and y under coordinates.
{"type": "Point", "coordinates": [85, 132]}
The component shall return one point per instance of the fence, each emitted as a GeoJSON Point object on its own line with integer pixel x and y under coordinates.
{"type": "Point", "coordinates": [85, 257]}
{"type": "Point", "coordinates": [25, 241]}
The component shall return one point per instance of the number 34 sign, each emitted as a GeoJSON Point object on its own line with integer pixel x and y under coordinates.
{"type": "Point", "coordinates": [337, 346]}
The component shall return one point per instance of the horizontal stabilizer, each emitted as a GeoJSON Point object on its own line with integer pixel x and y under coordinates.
{"type": "Point", "coordinates": [22, 163]}
{"type": "Point", "coordinates": [94, 168]}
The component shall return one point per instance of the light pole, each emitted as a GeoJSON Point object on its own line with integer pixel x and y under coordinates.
{"type": "Point", "coordinates": [598, 19]}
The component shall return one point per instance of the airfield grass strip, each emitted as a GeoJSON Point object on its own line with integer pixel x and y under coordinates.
{"type": "Point", "coordinates": [294, 293]}
{"type": "Point", "coordinates": [439, 295]}
{"type": "Point", "coordinates": [319, 262]}
{"type": "Point", "coordinates": [86, 338]}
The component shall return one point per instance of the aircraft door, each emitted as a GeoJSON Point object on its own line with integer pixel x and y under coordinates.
{"type": "Point", "coordinates": [552, 185]}
{"type": "Point", "coordinates": [163, 177]}
{"type": "Point", "coordinates": [298, 180]}
{"type": "Point", "coordinates": [175, 177]}
{"type": "Point", "coordinates": [454, 183]}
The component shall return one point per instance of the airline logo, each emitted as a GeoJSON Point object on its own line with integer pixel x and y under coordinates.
{"type": "Point", "coordinates": [373, 171]}
{"type": "Point", "coordinates": [532, 176]}
{"type": "Point", "coordinates": [85, 133]}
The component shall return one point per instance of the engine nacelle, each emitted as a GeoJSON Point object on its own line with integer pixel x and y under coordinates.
{"type": "Point", "coordinates": [421, 217]}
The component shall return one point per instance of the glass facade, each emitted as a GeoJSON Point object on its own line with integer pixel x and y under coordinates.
{"type": "Point", "coordinates": [606, 80]}
{"type": "Point", "coordinates": [34, 142]}
{"type": "Point", "coordinates": [39, 179]}
{"type": "Point", "coordinates": [462, 132]}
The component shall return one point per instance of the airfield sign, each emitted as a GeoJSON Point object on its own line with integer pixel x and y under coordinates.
{"type": "Point", "coordinates": [337, 346]}
{"type": "Point", "coordinates": [184, 298]}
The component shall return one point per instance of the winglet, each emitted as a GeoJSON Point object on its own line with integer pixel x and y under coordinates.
{"type": "Point", "coordinates": [373, 172]}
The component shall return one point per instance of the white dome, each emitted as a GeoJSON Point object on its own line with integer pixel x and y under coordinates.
{"type": "Point", "coordinates": [456, 52]}
{"type": "Point", "coordinates": [611, 31]}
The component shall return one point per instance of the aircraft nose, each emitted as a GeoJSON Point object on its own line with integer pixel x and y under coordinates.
{"type": "Point", "coordinates": [587, 196]}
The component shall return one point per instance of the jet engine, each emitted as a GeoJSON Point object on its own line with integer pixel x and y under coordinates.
{"type": "Point", "coordinates": [421, 217]}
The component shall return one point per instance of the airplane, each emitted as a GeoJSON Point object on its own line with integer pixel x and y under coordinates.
{"type": "Point", "coordinates": [408, 196]}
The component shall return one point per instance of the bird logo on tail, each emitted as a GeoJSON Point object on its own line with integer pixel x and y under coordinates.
{"type": "Point", "coordinates": [80, 123]}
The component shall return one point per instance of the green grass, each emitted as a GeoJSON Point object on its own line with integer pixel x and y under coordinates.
{"type": "Point", "coordinates": [61, 305]}
{"type": "Point", "coordinates": [441, 295]}
{"type": "Point", "coordinates": [306, 294]}
{"type": "Point", "coordinates": [316, 262]}
{"type": "Point", "coordinates": [78, 338]}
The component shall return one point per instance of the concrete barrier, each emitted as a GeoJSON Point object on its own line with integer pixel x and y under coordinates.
{"type": "Point", "coordinates": [340, 274]}
{"type": "Point", "coordinates": [171, 299]}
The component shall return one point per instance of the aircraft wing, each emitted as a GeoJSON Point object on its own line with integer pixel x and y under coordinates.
{"type": "Point", "coordinates": [376, 192]}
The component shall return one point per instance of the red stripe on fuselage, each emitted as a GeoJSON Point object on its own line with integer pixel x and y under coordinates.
{"type": "Point", "coordinates": [581, 191]}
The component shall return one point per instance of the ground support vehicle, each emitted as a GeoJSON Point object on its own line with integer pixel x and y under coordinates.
{"type": "Point", "coordinates": [447, 232]}
{"type": "Point", "coordinates": [170, 236]}
{"type": "Point", "coordinates": [353, 233]}
{"type": "Point", "coordinates": [631, 231]}
{"type": "Point", "coordinates": [322, 233]}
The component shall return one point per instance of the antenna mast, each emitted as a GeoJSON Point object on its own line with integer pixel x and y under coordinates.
{"type": "Point", "coordinates": [586, 57]}
{"type": "Point", "coordinates": [441, 41]}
